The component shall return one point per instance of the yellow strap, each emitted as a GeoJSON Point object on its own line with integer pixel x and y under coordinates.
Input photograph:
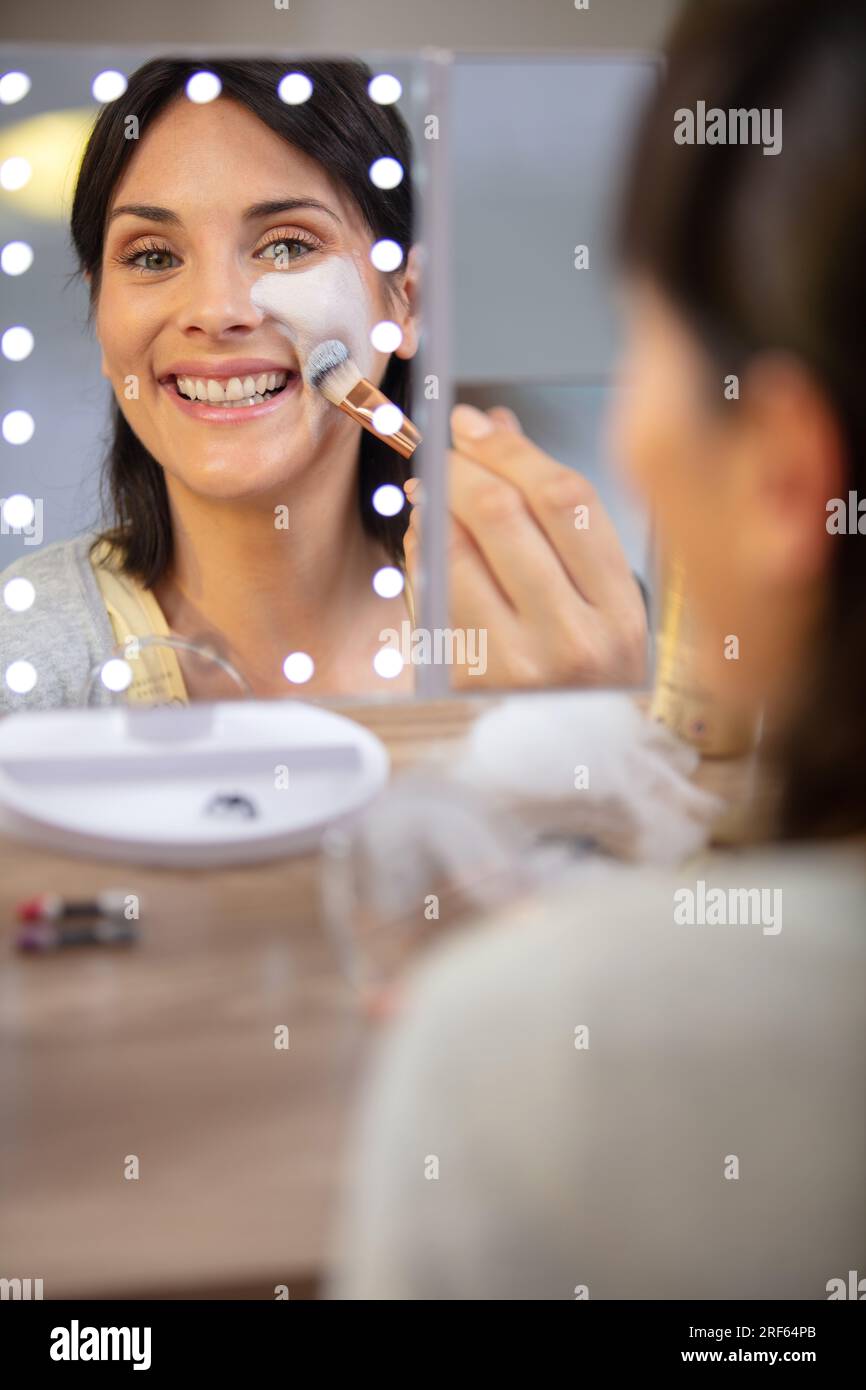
{"type": "Point", "coordinates": [134, 612]}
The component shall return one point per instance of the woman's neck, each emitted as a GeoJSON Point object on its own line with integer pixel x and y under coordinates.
{"type": "Point", "coordinates": [262, 577]}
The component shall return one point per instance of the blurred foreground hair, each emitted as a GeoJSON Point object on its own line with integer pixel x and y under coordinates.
{"type": "Point", "coordinates": [765, 252]}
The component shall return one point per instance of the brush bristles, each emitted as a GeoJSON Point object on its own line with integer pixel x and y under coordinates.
{"type": "Point", "coordinates": [331, 370]}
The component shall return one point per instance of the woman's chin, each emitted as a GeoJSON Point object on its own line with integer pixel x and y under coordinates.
{"type": "Point", "coordinates": [231, 478]}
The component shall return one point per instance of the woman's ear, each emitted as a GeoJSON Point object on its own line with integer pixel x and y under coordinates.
{"type": "Point", "coordinates": [408, 318]}
{"type": "Point", "coordinates": [792, 465]}
{"type": "Point", "coordinates": [104, 367]}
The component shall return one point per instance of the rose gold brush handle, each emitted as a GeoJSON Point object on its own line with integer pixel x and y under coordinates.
{"type": "Point", "coordinates": [360, 403]}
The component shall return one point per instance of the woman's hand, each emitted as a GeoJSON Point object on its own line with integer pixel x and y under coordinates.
{"type": "Point", "coordinates": [535, 560]}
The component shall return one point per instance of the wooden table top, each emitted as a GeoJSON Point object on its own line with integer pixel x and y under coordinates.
{"type": "Point", "coordinates": [166, 1052]}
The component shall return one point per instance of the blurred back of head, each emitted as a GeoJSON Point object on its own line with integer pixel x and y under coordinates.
{"type": "Point", "coordinates": [760, 251]}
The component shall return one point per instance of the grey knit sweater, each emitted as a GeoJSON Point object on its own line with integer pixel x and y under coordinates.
{"type": "Point", "coordinates": [63, 635]}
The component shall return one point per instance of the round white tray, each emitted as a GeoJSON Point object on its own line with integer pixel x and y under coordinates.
{"type": "Point", "coordinates": [227, 783]}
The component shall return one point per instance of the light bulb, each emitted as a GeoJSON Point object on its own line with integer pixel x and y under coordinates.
{"type": "Point", "coordinates": [388, 499]}
{"type": "Point", "coordinates": [386, 337]}
{"type": "Point", "coordinates": [21, 677]}
{"type": "Point", "coordinates": [386, 172]}
{"type": "Point", "coordinates": [19, 595]}
{"type": "Point", "coordinates": [16, 344]}
{"type": "Point", "coordinates": [298, 667]}
{"type": "Point", "coordinates": [385, 89]}
{"type": "Point", "coordinates": [295, 88]}
{"type": "Point", "coordinates": [203, 87]}
{"type": "Point", "coordinates": [388, 663]}
{"type": "Point", "coordinates": [108, 85]}
{"type": "Point", "coordinates": [386, 254]}
{"type": "Point", "coordinates": [387, 419]}
{"type": "Point", "coordinates": [388, 581]}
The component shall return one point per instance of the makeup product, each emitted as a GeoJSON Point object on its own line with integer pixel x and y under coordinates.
{"type": "Point", "coordinates": [331, 370]}
{"type": "Point", "coordinates": [718, 726]}
{"type": "Point", "coordinates": [51, 907]}
{"type": "Point", "coordinates": [327, 300]}
{"type": "Point", "coordinates": [98, 931]}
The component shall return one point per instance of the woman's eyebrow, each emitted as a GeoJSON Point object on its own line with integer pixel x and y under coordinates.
{"type": "Point", "coordinates": [275, 205]}
{"type": "Point", "coordinates": [148, 211]}
{"type": "Point", "coordinates": [152, 213]}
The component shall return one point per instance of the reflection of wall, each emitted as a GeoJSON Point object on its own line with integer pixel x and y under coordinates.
{"type": "Point", "coordinates": [537, 157]}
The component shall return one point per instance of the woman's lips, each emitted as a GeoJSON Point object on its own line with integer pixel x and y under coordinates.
{"type": "Point", "coordinates": [226, 414]}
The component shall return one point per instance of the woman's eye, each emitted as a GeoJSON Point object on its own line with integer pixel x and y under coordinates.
{"type": "Point", "coordinates": [157, 259]}
{"type": "Point", "coordinates": [145, 260]}
{"type": "Point", "coordinates": [286, 250]}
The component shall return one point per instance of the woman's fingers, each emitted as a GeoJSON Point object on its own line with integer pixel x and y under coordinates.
{"type": "Point", "coordinates": [564, 504]}
{"type": "Point", "coordinates": [505, 416]}
{"type": "Point", "coordinates": [518, 553]}
{"type": "Point", "coordinates": [535, 562]}
{"type": "Point", "coordinates": [476, 601]}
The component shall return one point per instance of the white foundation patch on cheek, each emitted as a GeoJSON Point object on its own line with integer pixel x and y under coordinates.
{"type": "Point", "coordinates": [327, 301]}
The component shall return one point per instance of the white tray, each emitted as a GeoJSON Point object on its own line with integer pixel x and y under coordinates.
{"type": "Point", "coordinates": [157, 786]}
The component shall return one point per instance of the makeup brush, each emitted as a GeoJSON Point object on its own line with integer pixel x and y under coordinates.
{"type": "Point", "coordinates": [331, 370]}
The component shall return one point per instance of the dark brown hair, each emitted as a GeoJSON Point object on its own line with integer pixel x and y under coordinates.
{"type": "Point", "coordinates": [344, 131]}
{"type": "Point", "coordinates": [767, 252]}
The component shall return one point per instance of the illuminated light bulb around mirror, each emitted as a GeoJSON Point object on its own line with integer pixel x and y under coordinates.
{"type": "Point", "coordinates": [16, 258]}
{"type": "Point", "coordinates": [21, 677]}
{"type": "Point", "coordinates": [19, 595]}
{"type": "Point", "coordinates": [18, 511]}
{"type": "Point", "coordinates": [14, 86]}
{"type": "Point", "coordinates": [388, 499]}
{"type": "Point", "coordinates": [386, 172]}
{"type": "Point", "coordinates": [388, 582]}
{"type": "Point", "coordinates": [116, 675]}
{"type": "Point", "coordinates": [203, 87]}
{"type": "Point", "coordinates": [14, 173]}
{"type": "Point", "coordinates": [295, 88]}
{"type": "Point", "coordinates": [386, 336]}
{"type": "Point", "coordinates": [386, 254]}
{"type": "Point", "coordinates": [298, 667]}
{"type": "Point", "coordinates": [387, 419]}
{"type": "Point", "coordinates": [108, 85]}
{"type": "Point", "coordinates": [385, 89]}
{"type": "Point", "coordinates": [388, 663]}
{"type": "Point", "coordinates": [17, 343]}
{"type": "Point", "coordinates": [18, 427]}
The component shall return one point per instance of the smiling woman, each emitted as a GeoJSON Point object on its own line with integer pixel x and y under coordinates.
{"type": "Point", "coordinates": [242, 503]}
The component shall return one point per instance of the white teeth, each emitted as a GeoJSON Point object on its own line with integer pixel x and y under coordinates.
{"type": "Point", "coordinates": [236, 391]}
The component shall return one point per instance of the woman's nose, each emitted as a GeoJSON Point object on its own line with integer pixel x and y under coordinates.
{"type": "Point", "coordinates": [216, 298]}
